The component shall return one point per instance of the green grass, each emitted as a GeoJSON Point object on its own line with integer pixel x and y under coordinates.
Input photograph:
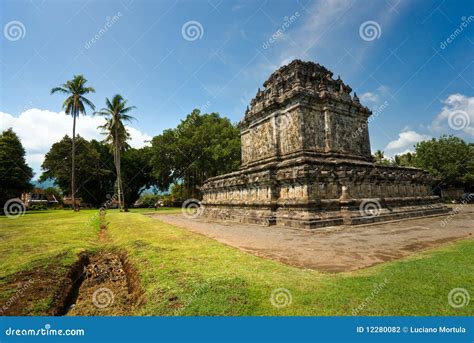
{"type": "Point", "coordinates": [183, 273]}
{"type": "Point", "coordinates": [32, 239]}
{"type": "Point", "coordinates": [160, 210]}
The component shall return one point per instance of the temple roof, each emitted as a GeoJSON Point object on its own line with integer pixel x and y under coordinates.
{"type": "Point", "coordinates": [300, 77]}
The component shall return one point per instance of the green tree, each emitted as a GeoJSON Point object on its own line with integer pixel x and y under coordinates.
{"type": "Point", "coordinates": [74, 105]}
{"type": "Point", "coordinates": [117, 135]}
{"type": "Point", "coordinates": [201, 146]}
{"type": "Point", "coordinates": [448, 158]}
{"type": "Point", "coordinates": [137, 174]}
{"type": "Point", "coordinates": [179, 193]}
{"type": "Point", "coordinates": [106, 182]}
{"type": "Point", "coordinates": [15, 174]}
{"type": "Point", "coordinates": [379, 157]}
{"type": "Point", "coordinates": [149, 200]}
{"type": "Point", "coordinates": [93, 173]}
{"type": "Point", "coordinates": [405, 160]}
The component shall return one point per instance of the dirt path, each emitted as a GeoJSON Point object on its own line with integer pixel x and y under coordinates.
{"type": "Point", "coordinates": [108, 283]}
{"type": "Point", "coordinates": [100, 282]}
{"type": "Point", "coordinates": [336, 249]}
{"type": "Point", "coordinates": [107, 287]}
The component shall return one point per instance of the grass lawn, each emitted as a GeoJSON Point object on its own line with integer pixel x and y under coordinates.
{"type": "Point", "coordinates": [184, 273]}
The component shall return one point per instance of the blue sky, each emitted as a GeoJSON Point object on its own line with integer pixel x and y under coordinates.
{"type": "Point", "coordinates": [419, 83]}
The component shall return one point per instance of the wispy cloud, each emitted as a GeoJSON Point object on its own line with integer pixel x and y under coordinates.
{"type": "Point", "coordinates": [330, 28]}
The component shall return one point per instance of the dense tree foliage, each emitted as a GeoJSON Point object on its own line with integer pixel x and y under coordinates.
{"type": "Point", "coordinates": [94, 177]}
{"type": "Point", "coordinates": [136, 174]}
{"type": "Point", "coordinates": [201, 146]}
{"type": "Point", "coordinates": [95, 170]}
{"type": "Point", "coordinates": [379, 157]}
{"type": "Point", "coordinates": [15, 174]}
{"type": "Point", "coordinates": [448, 158]}
{"type": "Point", "coordinates": [406, 160]}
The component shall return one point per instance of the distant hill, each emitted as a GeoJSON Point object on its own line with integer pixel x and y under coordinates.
{"type": "Point", "coordinates": [43, 185]}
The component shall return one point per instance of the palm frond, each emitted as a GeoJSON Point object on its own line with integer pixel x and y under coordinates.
{"type": "Point", "coordinates": [59, 90]}
{"type": "Point", "coordinates": [88, 103]}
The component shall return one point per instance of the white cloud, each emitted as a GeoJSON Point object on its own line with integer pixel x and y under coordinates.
{"type": "Point", "coordinates": [138, 139]}
{"type": "Point", "coordinates": [404, 143]}
{"type": "Point", "coordinates": [39, 129]}
{"type": "Point", "coordinates": [369, 97]}
{"type": "Point", "coordinates": [456, 116]}
{"type": "Point", "coordinates": [376, 96]}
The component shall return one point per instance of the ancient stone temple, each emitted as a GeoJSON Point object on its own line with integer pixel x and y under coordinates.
{"type": "Point", "coordinates": [306, 160]}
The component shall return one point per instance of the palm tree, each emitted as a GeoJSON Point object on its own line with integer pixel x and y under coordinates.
{"type": "Point", "coordinates": [74, 105]}
{"type": "Point", "coordinates": [397, 160]}
{"type": "Point", "coordinates": [379, 156]}
{"type": "Point", "coordinates": [117, 135]}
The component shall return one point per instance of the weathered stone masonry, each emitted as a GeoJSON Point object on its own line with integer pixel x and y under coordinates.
{"type": "Point", "coordinates": [306, 160]}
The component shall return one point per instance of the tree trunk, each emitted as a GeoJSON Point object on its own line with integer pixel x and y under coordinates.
{"type": "Point", "coordinates": [117, 169]}
{"type": "Point", "coordinates": [73, 163]}
{"type": "Point", "coordinates": [120, 178]}
{"type": "Point", "coordinates": [119, 193]}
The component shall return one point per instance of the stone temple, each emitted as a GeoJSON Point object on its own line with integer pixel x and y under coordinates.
{"type": "Point", "coordinates": [306, 161]}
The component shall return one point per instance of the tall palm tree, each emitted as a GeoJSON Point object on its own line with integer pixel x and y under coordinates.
{"type": "Point", "coordinates": [117, 135]}
{"type": "Point", "coordinates": [379, 156]}
{"type": "Point", "coordinates": [74, 105]}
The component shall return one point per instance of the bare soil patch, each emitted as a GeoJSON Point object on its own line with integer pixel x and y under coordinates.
{"type": "Point", "coordinates": [99, 283]}
{"type": "Point", "coordinates": [108, 285]}
{"type": "Point", "coordinates": [29, 291]}
{"type": "Point", "coordinates": [339, 248]}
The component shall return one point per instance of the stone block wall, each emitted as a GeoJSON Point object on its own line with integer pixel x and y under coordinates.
{"type": "Point", "coordinates": [306, 160]}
